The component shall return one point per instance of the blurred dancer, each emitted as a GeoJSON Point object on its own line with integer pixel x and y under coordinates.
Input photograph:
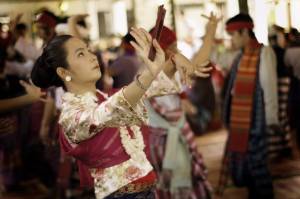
{"type": "Point", "coordinates": [250, 106]}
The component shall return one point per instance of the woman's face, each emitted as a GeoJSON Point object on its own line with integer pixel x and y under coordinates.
{"type": "Point", "coordinates": [83, 64]}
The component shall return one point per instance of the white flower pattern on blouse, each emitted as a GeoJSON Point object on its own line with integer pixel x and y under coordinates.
{"type": "Point", "coordinates": [82, 117]}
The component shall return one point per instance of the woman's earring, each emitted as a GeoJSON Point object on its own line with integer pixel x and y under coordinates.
{"type": "Point", "coordinates": [68, 78]}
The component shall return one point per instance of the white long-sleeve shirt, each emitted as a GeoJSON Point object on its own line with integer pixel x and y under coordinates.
{"type": "Point", "coordinates": [268, 81]}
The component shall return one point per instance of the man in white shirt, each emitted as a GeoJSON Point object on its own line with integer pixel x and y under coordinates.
{"type": "Point", "coordinates": [250, 107]}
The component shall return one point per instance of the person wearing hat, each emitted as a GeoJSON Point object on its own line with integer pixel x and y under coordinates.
{"type": "Point", "coordinates": [250, 107]}
{"type": "Point", "coordinates": [178, 164]}
{"type": "Point", "coordinates": [45, 23]}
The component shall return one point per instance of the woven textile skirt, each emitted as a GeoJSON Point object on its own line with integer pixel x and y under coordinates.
{"type": "Point", "coordinates": [149, 194]}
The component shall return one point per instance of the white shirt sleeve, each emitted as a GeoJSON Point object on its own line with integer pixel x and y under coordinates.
{"type": "Point", "coordinates": [268, 80]}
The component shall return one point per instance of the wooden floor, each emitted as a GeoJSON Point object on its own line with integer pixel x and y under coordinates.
{"type": "Point", "coordinates": [286, 173]}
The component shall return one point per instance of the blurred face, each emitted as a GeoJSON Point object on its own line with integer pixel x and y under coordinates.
{"type": "Point", "coordinates": [238, 39]}
{"type": "Point", "coordinates": [281, 41]}
{"type": "Point", "coordinates": [83, 64]}
{"type": "Point", "coordinates": [41, 31]}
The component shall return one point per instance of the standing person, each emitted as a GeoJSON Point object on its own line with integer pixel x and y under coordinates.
{"type": "Point", "coordinates": [12, 101]}
{"type": "Point", "coordinates": [178, 164]}
{"type": "Point", "coordinates": [291, 60]}
{"type": "Point", "coordinates": [45, 24]}
{"type": "Point", "coordinates": [23, 53]}
{"type": "Point", "coordinates": [279, 140]}
{"type": "Point", "coordinates": [103, 132]}
{"type": "Point", "coordinates": [23, 44]}
{"type": "Point", "coordinates": [35, 147]}
{"type": "Point", "coordinates": [250, 106]}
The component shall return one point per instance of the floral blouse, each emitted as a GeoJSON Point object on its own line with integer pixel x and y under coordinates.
{"type": "Point", "coordinates": [82, 117]}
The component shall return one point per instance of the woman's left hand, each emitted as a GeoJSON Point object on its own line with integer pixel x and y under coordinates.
{"type": "Point", "coordinates": [142, 47]}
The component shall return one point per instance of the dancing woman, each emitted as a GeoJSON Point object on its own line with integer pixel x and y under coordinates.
{"type": "Point", "coordinates": [103, 131]}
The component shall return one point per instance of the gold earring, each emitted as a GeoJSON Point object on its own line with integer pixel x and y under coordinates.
{"type": "Point", "coordinates": [68, 78]}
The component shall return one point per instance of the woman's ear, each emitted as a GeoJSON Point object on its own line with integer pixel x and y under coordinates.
{"type": "Point", "coordinates": [62, 72]}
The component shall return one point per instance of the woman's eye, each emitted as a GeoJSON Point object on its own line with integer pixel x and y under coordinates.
{"type": "Point", "coordinates": [80, 54]}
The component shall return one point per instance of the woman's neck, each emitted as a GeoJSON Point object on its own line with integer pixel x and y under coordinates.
{"type": "Point", "coordinates": [80, 89]}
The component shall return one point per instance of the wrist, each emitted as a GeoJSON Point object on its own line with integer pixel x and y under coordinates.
{"type": "Point", "coordinates": [29, 98]}
{"type": "Point", "coordinates": [156, 72]}
{"type": "Point", "coordinates": [148, 74]}
{"type": "Point", "coordinates": [210, 31]}
{"type": "Point", "coordinates": [143, 81]}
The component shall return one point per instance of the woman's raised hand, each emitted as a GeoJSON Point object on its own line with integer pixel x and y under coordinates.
{"type": "Point", "coordinates": [213, 20]}
{"type": "Point", "coordinates": [142, 47]}
{"type": "Point", "coordinates": [187, 70]}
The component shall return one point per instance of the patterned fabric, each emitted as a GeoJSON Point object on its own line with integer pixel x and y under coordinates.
{"type": "Point", "coordinates": [279, 142]}
{"type": "Point", "coordinates": [113, 178]}
{"type": "Point", "coordinates": [248, 169]}
{"type": "Point", "coordinates": [91, 117]}
{"type": "Point", "coordinates": [92, 133]}
{"type": "Point", "coordinates": [9, 151]}
{"type": "Point", "coordinates": [141, 195]}
{"type": "Point", "coordinates": [294, 106]}
{"type": "Point", "coordinates": [159, 147]}
{"type": "Point", "coordinates": [117, 112]}
{"type": "Point", "coordinates": [10, 135]}
{"type": "Point", "coordinates": [242, 100]}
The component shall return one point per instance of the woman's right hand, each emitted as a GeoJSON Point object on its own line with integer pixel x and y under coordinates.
{"type": "Point", "coordinates": [142, 46]}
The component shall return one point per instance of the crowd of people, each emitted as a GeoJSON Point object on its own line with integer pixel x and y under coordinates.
{"type": "Point", "coordinates": [75, 125]}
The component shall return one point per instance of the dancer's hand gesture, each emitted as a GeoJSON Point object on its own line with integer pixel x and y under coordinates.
{"type": "Point", "coordinates": [142, 46]}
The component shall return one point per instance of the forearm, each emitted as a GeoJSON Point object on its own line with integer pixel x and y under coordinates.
{"type": "Point", "coordinates": [9, 104]}
{"type": "Point", "coordinates": [133, 92]}
{"type": "Point", "coordinates": [204, 52]}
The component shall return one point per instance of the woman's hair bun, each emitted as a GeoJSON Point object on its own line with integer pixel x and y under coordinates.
{"type": "Point", "coordinates": [54, 55]}
{"type": "Point", "coordinates": [44, 75]}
